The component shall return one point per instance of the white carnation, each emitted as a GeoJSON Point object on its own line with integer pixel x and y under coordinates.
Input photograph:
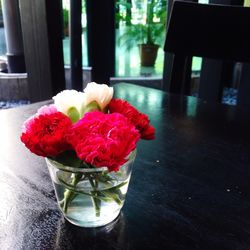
{"type": "Point", "coordinates": [68, 99]}
{"type": "Point", "coordinates": [101, 93]}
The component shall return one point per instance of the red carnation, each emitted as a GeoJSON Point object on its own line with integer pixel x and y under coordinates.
{"type": "Point", "coordinates": [103, 139]}
{"type": "Point", "coordinates": [140, 120]}
{"type": "Point", "coordinates": [44, 134]}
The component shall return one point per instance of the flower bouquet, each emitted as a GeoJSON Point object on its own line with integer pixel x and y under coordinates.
{"type": "Point", "coordinates": [89, 142]}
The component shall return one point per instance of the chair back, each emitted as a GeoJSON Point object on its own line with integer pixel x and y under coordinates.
{"type": "Point", "coordinates": [205, 30]}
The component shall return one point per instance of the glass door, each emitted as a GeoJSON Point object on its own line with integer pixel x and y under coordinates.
{"type": "Point", "coordinates": [140, 30]}
{"type": "Point", "coordinates": [66, 40]}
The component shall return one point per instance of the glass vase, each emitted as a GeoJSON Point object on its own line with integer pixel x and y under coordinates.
{"type": "Point", "coordinates": [90, 197]}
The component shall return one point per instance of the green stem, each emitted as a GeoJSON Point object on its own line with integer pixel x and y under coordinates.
{"type": "Point", "coordinates": [95, 199]}
{"type": "Point", "coordinates": [69, 195]}
{"type": "Point", "coordinates": [97, 196]}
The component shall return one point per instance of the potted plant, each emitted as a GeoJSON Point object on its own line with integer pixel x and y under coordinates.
{"type": "Point", "coordinates": [149, 35]}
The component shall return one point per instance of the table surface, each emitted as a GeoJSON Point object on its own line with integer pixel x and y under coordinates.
{"type": "Point", "coordinates": [190, 187]}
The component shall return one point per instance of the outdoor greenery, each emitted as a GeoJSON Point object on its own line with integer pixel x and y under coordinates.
{"type": "Point", "coordinates": [120, 16]}
{"type": "Point", "coordinates": [66, 10]}
{"type": "Point", "coordinates": [1, 11]}
{"type": "Point", "coordinates": [149, 31]}
{"type": "Point", "coordinates": [65, 19]}
{"type": "Point", "coordinates": [1, 18]}
{"type": "Point", "coordinates": [134, 27]}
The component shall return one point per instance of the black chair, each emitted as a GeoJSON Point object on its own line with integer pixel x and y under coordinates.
{"type": "Point", "coordinates": [209, 31]}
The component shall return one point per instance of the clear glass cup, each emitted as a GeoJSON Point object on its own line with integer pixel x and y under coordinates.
{"type": "Point", "coordinates": [90, 197]}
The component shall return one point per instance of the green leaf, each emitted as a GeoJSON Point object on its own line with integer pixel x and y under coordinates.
{"type": "Point", "coordinates": [73, 114]}
{"type": "Point", "coordinates": [68, 158]}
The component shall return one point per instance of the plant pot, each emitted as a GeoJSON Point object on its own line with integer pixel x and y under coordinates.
{"type": "Point", "coordinates": [90, 197]}
{"type": "Point", "coordinates": [148, 54]}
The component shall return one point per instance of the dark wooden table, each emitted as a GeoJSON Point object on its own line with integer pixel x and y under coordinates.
{"type": "Point", "coordinates": [190, 188]}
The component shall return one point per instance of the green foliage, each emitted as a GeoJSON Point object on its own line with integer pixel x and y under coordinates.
{"type": "Point", "coordinates": [120, 16]}
{"type": "Point", "coordinates": [142, 34]}
{"type": "Point", "coordinates": [65, 18]}
{"type": "Point", "coordinates": [150, 33]}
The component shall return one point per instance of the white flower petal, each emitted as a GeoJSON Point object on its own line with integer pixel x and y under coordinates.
{"type": "Point", "coordinates": [101, 93]}
{"type": "Point", "coordinates": [68, 99]}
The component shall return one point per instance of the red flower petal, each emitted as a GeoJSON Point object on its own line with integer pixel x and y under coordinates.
{"type": "Point", "coordinates": [103, 139]}
{"type": "Point", "coordinates": [44, 134]}
{"type": "Point", "coordinates": [140, 120]}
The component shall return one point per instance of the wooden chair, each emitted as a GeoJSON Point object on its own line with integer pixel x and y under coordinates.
{"type": "Point", "coordinates": [209, 31]}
